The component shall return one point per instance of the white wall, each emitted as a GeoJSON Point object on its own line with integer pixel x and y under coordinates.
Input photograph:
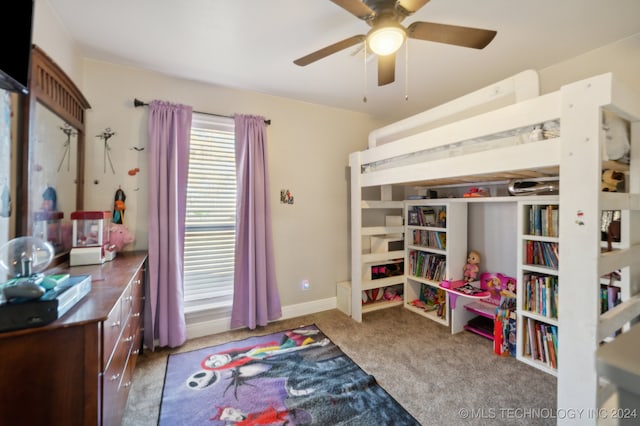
{"type": "Point", "coordinates": [622, 58]}
{"type": "Point", "coordinates": [52, 37]}
{"type": "Point", "coordinates": [308, 150]}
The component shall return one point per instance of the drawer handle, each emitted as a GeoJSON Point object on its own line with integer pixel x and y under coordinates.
{"type": "Point", "coordinates": [138, 282]}
{"type": "Point", "coordinates": [115, 377]}
{"type": "Point", "coordinates": [136, 352]}
{"type": "Point", "coordinates": [116, 324]}
{"type": "Point", "coordinates": [136, 315]}
{"type": "Point", "coordinates": [128, 339]}
{"type": "Point", "coordinates": [126, 385]}
{"type": "Point", "coordinates": [129, 298]}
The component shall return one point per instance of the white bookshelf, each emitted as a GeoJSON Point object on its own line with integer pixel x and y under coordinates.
{"type": "Point", "coordinates": [454, 232]}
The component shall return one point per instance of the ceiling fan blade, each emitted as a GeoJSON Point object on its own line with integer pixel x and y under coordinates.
{"type": "Point", "coordinates": [326, 51]}
{"type": "Point", "coordinates": [386, 69]}
{"type": "Point", "coordinates": [476, 38]}
{"type": "Point", "coordinates": [356, 7]}
{"type": "Point", "coordinates": [411, 6]}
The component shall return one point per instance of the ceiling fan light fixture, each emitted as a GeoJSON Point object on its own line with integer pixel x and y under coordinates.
{"type": "Point", "coordinates": [386, 40]}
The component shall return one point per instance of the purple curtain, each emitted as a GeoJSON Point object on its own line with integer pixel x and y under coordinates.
{"type": "Point", "coordinates": [168, 130]}
{"type": "Point", "coordinates": [255, 299]}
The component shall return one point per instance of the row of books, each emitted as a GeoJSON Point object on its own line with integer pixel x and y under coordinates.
{"type": "Point", "coordinates": [543, 220]}
{"type": "Point", "coordinates": [542, 253]}
{"type": "Point", "coordinates": [540, 294]}
{"type": "Point", "coordinates": [541, 342]}
{"type": "Point", "coordinates": [432, 239]}
{"type": "Point", "coordinates": [427, 216]}
{"type": "Point", "coordinates": [427, 265]}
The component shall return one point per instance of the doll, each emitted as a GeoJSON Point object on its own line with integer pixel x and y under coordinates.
{"type": "Point", "coordinates": [471, 268]}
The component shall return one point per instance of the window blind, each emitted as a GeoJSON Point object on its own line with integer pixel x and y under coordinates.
{"type": "Point", "coordinates": [210, 215]}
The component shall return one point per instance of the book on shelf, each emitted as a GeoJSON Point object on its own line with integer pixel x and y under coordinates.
{"type": "Point", "coordinates": [442, 240]}
{"type": "Point", "coordinates": [412, 218]}
{"type": "Point", "coordinates": [468, 289]}
{"type": "Point", "coordinates": [504, 329]}
{"type": "Point", "coordinates": [609, 297]}
{"type": "Point", "coordinates": [428, 216]}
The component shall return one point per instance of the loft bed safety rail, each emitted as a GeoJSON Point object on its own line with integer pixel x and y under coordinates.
{"type": "Point", "coordinates": [524, 85]}
{"type": "Point", "coordinates": [497, 133]}
{"type": "Point", "coordinates": [489, 125]}
{"type": "Point", "coordinates": [480, 135]}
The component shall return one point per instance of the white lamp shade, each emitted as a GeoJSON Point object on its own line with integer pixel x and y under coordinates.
{"type": "Point", "coordinates": [386, 40]}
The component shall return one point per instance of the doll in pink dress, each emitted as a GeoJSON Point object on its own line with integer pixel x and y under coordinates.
{"type": "Point", "coordinates": [470, 272]}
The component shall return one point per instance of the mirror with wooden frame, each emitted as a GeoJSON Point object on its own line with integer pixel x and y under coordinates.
{"type": "Point", "coordinates": [51, 159]}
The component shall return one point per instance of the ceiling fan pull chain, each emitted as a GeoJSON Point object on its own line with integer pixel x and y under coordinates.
{"type": "Point", "coordinates": [406, 70]}
{"type": "Point", "coordinates": [364, 99]}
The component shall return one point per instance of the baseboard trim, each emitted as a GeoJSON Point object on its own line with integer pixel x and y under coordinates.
{"type": "Point", "coordinates": [207, 328]}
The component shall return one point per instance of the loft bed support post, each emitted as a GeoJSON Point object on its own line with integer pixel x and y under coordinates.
{"type": "Point", "coordinates": [633, 216]}
{"type": "Point", "coordinates": [355, 164]}
{"type": "Point", "coordinates": [580, 178]}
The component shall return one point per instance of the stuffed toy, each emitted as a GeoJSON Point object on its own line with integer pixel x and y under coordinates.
{"type": "Point", "coordinates": [612, 181]}
{"type": "Point", "coordinates": [471, 268]}
{"type": "Point", "coordinates": [120, 236]}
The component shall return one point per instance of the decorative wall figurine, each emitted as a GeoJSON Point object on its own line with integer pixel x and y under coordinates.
{"type": "Point", "coordinates": [106, 135]}
{"type": "Point", "coordinates": [119, 207]}
{"type": "Point", "coordinates": [286, 197]}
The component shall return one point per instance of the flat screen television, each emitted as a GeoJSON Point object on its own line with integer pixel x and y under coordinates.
{"type": "Point", "coordinates": [15, 53]}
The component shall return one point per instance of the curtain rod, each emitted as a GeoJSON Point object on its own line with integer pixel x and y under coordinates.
{"type": "Point", "coordinates": [138, 103]}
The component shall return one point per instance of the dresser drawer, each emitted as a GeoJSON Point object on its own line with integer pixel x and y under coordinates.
{"type": "Point", "coordinates": [115, 376]}
{"type": "Point", "coordinates": [126, 301]}
{"type": "Point", "coordinates": [137, 304]}
{"type": "Point", "coordinates": [112, 329]}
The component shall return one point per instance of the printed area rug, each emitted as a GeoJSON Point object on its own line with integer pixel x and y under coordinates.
{"type": "Point", "coordinates": [293, 377]}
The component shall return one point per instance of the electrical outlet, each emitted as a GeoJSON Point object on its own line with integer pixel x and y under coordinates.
{"type": "Point", "coordinates": [305, 285]}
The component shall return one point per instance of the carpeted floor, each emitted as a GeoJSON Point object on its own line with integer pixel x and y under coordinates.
{"type": "Point", "coordinates": [441, 379]}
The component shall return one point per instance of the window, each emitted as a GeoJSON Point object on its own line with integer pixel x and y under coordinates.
{"type": "Point", "coordinates": [211, 216]}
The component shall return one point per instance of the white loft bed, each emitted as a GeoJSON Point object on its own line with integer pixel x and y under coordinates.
{"type": "Point", "coordinates": [428, 150]}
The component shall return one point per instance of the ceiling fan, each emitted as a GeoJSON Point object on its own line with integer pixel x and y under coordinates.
{"type": "Point", "coordinates": [387, 35]}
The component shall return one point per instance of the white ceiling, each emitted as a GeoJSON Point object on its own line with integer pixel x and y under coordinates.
{"type": "Point", "coordinates": [251, 44]}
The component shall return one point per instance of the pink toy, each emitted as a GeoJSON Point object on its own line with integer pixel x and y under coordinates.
{"type": "Point", "coordinates": [120, 236]}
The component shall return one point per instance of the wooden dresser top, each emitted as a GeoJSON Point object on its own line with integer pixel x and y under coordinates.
{"type": "Point", "coordinates": [108, 281]}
